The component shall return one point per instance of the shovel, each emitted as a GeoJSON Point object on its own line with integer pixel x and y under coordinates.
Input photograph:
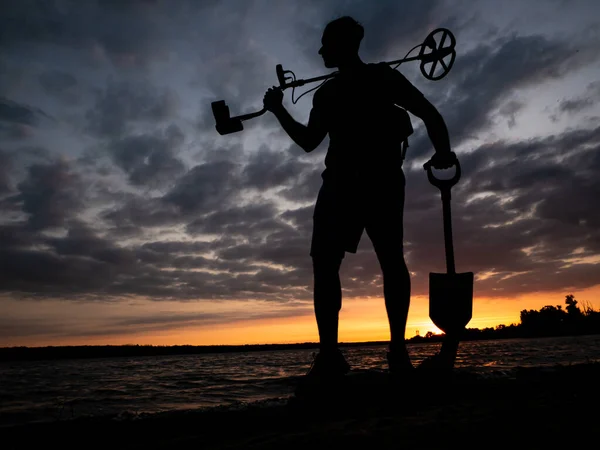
{"type": "Point", "coordinates": [451, 293]}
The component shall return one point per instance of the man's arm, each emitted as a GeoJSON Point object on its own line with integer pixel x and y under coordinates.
{"type": "Point", "coordinates": [406, 95]}
{"type": "Point", "coordinates": [433, 120]}
{"type": "Point", "coordinates": [308, 137]}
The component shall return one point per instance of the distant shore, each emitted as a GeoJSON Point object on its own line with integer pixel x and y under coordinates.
{"type": "Point", "coordinates": [8, 354]}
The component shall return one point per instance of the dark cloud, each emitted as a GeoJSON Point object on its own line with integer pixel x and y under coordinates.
{"type": "Point", "coordinates": [268, 169]}
{"type": "Point", "coordinates": [17, 121]}
{"type": "Point", "coordinates": [177, 247]}
{"type": "Point", "coordinates": [49, 195]}
{"type": "Point", "coordinates": [205, 188]}
{"type": "Point", "coordinates": [243, 220]}
{"type": "Point", "coordinates": [56, 81]}
{"type": "Point", "coordinates": [83, 266]}
{"type": "Point", "coordinates": [20, 114]}
{"type": "Point", "coordinates": [5, 166]}
{"type": "Point", "coordinates": [17, 236]}
{"type": "Point", "coordinates": [123, 325]}
{"type": "Point", "coordinates": [138, 212]}
{"type": "Point", "coordinates": [535, 211]}
{"type": "Point", "coordinates": [510, 110]}
{"type": "Point", "coordinates": [128, 32]}
{"type": "Point", "coordinates": [124, 102]}
{"type": "Point", "coordinates": [149, 160]}
{"type": "Point", "coordinates": [14, 165]}
{"type": "Point", "coordinates": [590, 97]}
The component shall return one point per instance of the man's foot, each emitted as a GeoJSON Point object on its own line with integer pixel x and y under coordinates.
{"type": "Point", "coordinates": [399, 363]}
{"type": "Point", "coordinates": [326, 371]}
{"type": "Point", "coordinates": [328, 365]}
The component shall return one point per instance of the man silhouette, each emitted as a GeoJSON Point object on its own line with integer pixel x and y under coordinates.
{"type": "Point", "coordinates": [363, 182]}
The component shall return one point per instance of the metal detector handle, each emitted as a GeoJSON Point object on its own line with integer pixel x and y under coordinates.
{"type": "Point", "coordinates": [444, 186]}
{"type": "Point", "coordinates": [280, 75]}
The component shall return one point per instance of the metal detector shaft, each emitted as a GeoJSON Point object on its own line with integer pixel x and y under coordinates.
{"type": "Point", "coordinates": [252, 115]}
{"type": "Point", "coordinates": [283, 84]}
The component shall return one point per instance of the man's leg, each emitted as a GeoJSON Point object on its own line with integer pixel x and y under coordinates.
{"type": "Point", "coordinates": [385, 229]}
{"type": "Point", "coordinates": [327, 252]}
{"type": "Point", "coordinates": [327, 299]}
{"type": "Point", "coordinates": [396, 291]}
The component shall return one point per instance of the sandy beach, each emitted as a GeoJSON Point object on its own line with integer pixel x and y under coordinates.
{"type": "Point", "coordinates": [550, 406]}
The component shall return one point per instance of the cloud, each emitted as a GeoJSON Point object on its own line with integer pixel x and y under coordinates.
{"type": "Point", "coordinates": [124, 102]}
{"type": "Point", "coordinates": [590, 97]}
{"type": "Point", "coordinates": [510, 110]}
{"type": "Point", "coordinates": [138, 212]}
{"type": "Point", "coordinates": [56, 81]}
{"type": "Point", "coordinates": [5, 166]}
{"type": "Point", "coordinates": [270, 242]}
{"type": "Point", "coordinates": [127, 325]}
{"type": "Point", "coordinates": [50, 195]}
{"type": "Point", "coordinates": [15, 113]}
{"type": "Point", "coordinates": [126, 33]}
{"type": "Point", "coordinates": [205, 188]}
{"type": "Point", "coordinates": [18, 121]}
{"type": "Point", "coordinates": [149, 160]}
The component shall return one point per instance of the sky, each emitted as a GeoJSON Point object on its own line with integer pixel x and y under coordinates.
{"type": "Point", "coordinates": [126, 218]}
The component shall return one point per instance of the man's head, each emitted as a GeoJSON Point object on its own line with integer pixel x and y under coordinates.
{"type": "Point", "coordinates": [341, 40]}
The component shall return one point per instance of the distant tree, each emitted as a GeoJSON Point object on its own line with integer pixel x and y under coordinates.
{"type": "Point", "coordinates": [547, 321]}
{"type": "Point", "coordinates": [572, 308]}
{"type": "Point", "coordinates": [429, 335]}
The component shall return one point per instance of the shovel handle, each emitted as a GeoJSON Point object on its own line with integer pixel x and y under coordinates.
{"type": "Point", "coordinates": [443, 184]}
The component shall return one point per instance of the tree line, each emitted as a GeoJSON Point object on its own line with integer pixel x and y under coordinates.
{"type": "Point", "coordinates": [546, 322]}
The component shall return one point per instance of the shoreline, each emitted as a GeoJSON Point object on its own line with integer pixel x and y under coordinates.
{"type": "Point", "coordinates": [540, 405]}
{"type": "Point", "coordinates": [52, 353]}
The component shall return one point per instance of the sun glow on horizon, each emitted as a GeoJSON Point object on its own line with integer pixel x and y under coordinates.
{"type": "Point", "coordinates": [239, 323]}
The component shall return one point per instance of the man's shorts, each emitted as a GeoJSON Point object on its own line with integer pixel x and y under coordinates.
{"type": "Point", "coordinates": [343, 212]}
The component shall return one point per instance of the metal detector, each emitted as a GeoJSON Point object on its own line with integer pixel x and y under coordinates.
{"type": "Point", "coordinates": [436, 56]}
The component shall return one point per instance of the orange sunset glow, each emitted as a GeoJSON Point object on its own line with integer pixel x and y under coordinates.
{"type": "Point", "coordinates": [361, 320]}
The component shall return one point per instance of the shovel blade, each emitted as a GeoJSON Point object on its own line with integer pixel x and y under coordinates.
{"type": "Point", "coordinates": [451, 300]}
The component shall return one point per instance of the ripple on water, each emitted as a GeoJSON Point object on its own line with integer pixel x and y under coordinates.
{"type": "Point", "coordinates": [42, 390]}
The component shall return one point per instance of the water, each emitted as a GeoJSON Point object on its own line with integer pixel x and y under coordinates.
{"type": "Point", "coordinates": [53, 390]}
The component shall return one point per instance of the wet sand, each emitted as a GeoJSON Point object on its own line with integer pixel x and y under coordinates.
{"type": "Point", "coordinates": [551, 407]}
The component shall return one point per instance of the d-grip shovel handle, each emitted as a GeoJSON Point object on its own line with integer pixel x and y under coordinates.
{"type": "Point", "coordinates": [443, 185]}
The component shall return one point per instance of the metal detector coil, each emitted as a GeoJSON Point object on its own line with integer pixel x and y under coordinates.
{"type": "Point", "coordinates": [436, 56]}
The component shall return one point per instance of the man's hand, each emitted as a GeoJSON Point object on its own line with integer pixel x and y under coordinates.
{"type": "Point", "coordinates": [441, 160]}
{"type": "Point", "coordinates": [273, 98]}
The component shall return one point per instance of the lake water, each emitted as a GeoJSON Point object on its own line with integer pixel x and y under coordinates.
{"type": "Point", "coordinates": [51, 390]}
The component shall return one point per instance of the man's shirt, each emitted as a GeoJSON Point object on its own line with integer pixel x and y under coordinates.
{"type": "Point", "coordinates": [364, 124]}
